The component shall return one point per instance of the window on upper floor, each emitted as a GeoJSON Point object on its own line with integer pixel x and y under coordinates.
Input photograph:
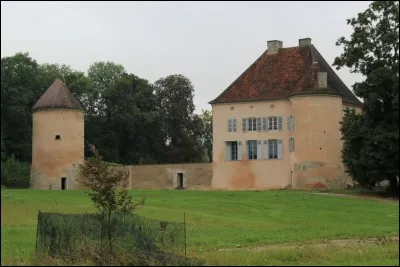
{"type": "Point", "coordinates": [251, 124]}
{"type": "Point", "coordinates": [232, 125]}
{"type": "Point", "coordinates": [275, 123]}
{"type": "Point", "coordinates": [262, 124]}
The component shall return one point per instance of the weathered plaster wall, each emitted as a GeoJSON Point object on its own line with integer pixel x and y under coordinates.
{"type": "Point", "coordinates": [164, 176]}
{"type": "Point", "coordinates": [53, 159]}
{"type": "Point", "coordinates": [316, 161]}
{"type": "Point", "coordinates": [249, 174]}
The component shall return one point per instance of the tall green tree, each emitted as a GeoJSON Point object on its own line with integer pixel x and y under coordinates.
{"type": "Point", "coordinates": [180, 126]}
{"type": "Point", "coordinates": [206, 136]}
{"type": "Point", "coordinates": [371, 140]}
{"type": "Point", "coordinates": [134, 135]}
{"type": "Point", "coordinates": [19, 92]}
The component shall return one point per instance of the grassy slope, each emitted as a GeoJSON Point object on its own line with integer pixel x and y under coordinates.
{"type": "Point", "coordinates": [215, 219]}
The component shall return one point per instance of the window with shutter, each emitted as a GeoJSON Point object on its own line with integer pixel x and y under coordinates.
{"type": "Point", "coordinates": [273, 123]}
{"type": "Point", "coordinates": [244, 126]}
{"type": "Point", "coordinates": [289, 120]}
{"type": "Point", "coordinates": [233, 150]}
{"type": "Point", "coordinates": [251, 149]}
{"type": "Point", "coordinates": [251, 124]}
{"type": "Point", "coordinates": [280, 122]}
{"type": "Point", "coordinates": [272, 148]}
{"type": "Point", "coordinates": [234, 125]}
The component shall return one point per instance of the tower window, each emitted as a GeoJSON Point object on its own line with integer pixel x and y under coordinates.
{"type": "Point", "coordinates": [58, 137]}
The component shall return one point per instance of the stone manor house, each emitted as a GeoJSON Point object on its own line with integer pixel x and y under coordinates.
{"type": "Point", "coordinates": [276, 126]}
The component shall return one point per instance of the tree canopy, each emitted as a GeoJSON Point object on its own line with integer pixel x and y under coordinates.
{"type": "Point", "coordinates": [371, 139]}
{"type": "Point", "coordinates": [127, 118]}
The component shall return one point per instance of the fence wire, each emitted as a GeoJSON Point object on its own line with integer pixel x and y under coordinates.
{"type": "Point", "coordinates": [63, 235]}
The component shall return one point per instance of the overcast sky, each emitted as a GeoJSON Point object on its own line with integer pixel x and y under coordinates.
{"type": "Point", "coordinates": [211, 43]}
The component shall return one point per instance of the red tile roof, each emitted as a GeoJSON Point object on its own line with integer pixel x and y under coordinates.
{"type": "Point", "coordinates": [290, 71]}
{"type": "Point", "coordinates": [57, 96]}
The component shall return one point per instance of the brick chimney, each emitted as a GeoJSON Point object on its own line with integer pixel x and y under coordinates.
{"type": "Point", "coordinates": [305, 42]}
{"type": "Point", "coordinates": [322, 80]}
{"type": "Point", "coordinates": [273, 46]}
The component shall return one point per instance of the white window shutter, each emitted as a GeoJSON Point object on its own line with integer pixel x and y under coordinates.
{"type": "Point", "coordinates": [289, 119]}
{"type": "Point", "coordinates": [259, 125]}
{"type": "Point", "coordinates": [227, 151]}
{"type": "Point", "coordinates": [264, 122]}
{"type": "Point", "coordinates": [229, 125]}
{"type": "Point", "coordinates": [280, 149]}
{"type": "Point", "coordinates": [233, 125]}
{"type": "Point", "coordinates": [239, 150]}
{"type": "Point", "coordinates": [268, 122]}
{"type": "Point", "coordinates": [244, 120]}
{"type": "Point", "coordinates": [265, 149]}
{"type": "Point", "coordinates": [259, 149]}
{"type": "Point", "coordinates": [280, 123]}
{"type": "Point", "coordinates": [246, 150]}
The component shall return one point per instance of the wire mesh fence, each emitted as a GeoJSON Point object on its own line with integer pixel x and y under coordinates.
{"type": "Point", "coordinates": [130, 238]}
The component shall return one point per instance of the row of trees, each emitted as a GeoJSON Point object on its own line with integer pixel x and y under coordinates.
{"type": "Point", "coordinates": [130, 120]}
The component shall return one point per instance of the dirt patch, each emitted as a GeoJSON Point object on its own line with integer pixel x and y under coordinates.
{"type": "Point", "coordinates": [320, 244]}
{"type": "Point", "coordinates": [360, 196]}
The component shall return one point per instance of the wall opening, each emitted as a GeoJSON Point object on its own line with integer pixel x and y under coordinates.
{"type": "Point", "coordinates": [58, 137]}
{"type": "Point", "coordinates": [179, 182]}
{"type": "Point", "coordinates": [63, 183]}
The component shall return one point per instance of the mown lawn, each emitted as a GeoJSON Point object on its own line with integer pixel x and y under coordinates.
{"type": "Point", "coordinates": [222, 219]}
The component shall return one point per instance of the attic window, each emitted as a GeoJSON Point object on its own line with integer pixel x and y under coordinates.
{"type": "Point", "coordinates": [58, 137]}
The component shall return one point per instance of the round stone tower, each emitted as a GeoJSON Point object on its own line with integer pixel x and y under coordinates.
{"type": "Point", "coordinates": [57, 139]}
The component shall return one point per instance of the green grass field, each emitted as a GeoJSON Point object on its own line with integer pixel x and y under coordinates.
{"type": "Point", "coordinates": [218, 221]}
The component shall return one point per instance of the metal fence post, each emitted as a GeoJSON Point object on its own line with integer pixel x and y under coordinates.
{"type": "Point", "coordinates": [37, 231]}
{"type": "Point", "coordinates": [184, 227]}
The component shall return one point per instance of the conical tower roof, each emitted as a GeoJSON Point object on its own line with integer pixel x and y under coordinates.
{"type": "Point", "coordinates": [57, 96]}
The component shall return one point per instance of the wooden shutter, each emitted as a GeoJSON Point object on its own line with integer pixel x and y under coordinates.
{"type": "Point", "coordinates": [258, 124]}
{"type": "Point", "coordinates": [268, 122]}
{"type": "Point", "coordinates": [264, 122]}
{"type": "Point", "coordinates": [265, 149]}
{"type": "Point", "coordinates": [239, 150]}
{"type": "Point", "coordinates": [229, 125]}
{"type": "Point", "coordinates": [280, 149]}
{"type": "Point", "coordinates": [280, 123]}
{"type": "Point", "coordinates": [259, 149]}
{"type": "Point", "coordinates": [227, 151]}
{"type": "Point", "coordinates": [244, 125]}
{"type": "Point", "coordinates": [233, 125]}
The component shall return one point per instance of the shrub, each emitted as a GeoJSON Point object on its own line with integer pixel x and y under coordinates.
{"type": "Point", "coordinates": [14, 173]}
